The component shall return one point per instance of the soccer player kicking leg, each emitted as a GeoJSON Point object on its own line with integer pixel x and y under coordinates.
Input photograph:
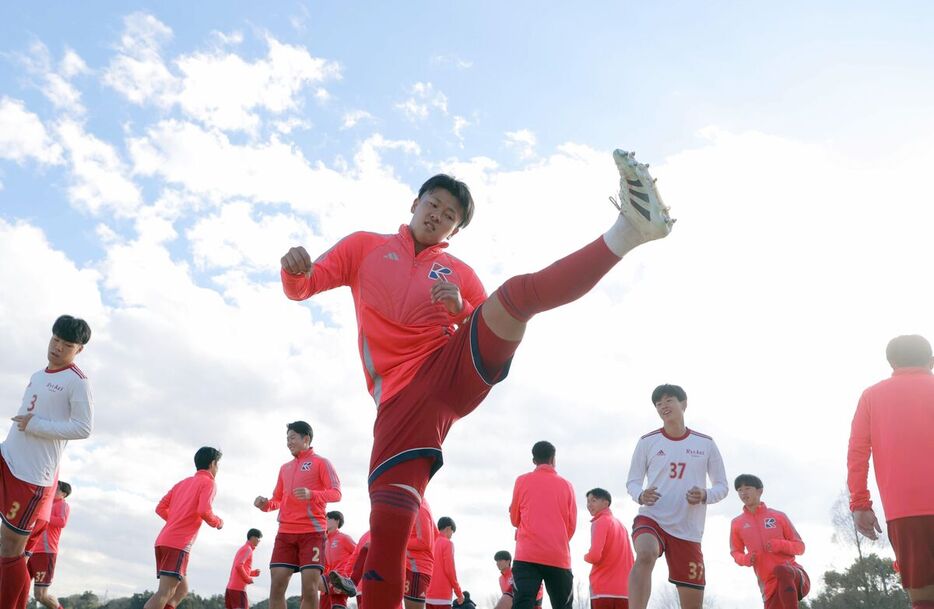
{"type": "Point", "coordinates": [426, 375]}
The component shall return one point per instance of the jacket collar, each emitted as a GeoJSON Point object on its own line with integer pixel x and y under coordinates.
{"type": "Point", "coordinates": [405, 233]}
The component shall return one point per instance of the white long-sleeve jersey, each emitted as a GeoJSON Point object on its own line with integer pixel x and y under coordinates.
{"type": "Point", "coordinates": [674, 466]}
{"type": "Point", "coordinates": [62, 410]}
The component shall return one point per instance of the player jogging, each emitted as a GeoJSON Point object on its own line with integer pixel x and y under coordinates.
{"type": "Point", "coordinates": [242, 573]}
{"type": "Point", "coordinates": [677, 462]}
{"type": "Point", "coordinates": [305, 486]}
{"type": "Point", "coordinates": [42, 550]}
{"type": "Point", "coordinates": [57, 407]}
{"type": "Point", "coordinates": [610, 554]}
{"type": "Point", "coordinates": [894, 423]}
{"type": "Point", "coordinates": [443, 581]}
{"type": "Point", "coordinates": [765, 539]}
{"type": "Point", "coordinates": [431, 342]}
{"type": "Point", "coordinates": [183, 508]}
{"type": "Point", "coordinates": [338, 550]}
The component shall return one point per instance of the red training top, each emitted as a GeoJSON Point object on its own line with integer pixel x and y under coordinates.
{"type": "Point", "coordinates": [47, 540]}
{"type": "Point", "coordinates": [338, 550]}
{"type": "Point", "coordinates": [241, 572]}
{"type": "Point", "coordinates": [184, 508]}
{"type": "Point", "coordinates": [399, 326]}
{"type": "Point", "coordinates": [894, 422]}
{"type": "Point", "coordinates": [768, 535]}
{"type": "Point", "coordinates": [419, 551]}
{"type": "Point", "coordinates": [305, 470]}
{"type": "Point", "coordinates": [611, 556]}
{"type": "Point", "coordinates": [444, 577]}
{"type": "Point", "coordinates": [545, 516]}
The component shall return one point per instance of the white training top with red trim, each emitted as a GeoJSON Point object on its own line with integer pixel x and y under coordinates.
{"type": "Point", "coordinates": [62, 408]}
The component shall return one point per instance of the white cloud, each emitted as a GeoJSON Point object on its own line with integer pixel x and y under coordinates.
{"type": "Point", "coordinates": [523, 142]}
{"type": "Point", "coordinates": [23, 136]}
{"type": "Point", "coordinates": [460, 123]}
{"type": "Point", "coordinates": [138, 71]}
{"type": "Point", "coordinates": [354, 117]}
{"type": "Point", "coordinates": [56, 84]}
{"type": "Point", "coordinates": [424, 99]}
{"type": "Point", "coordinates": [451, 60]}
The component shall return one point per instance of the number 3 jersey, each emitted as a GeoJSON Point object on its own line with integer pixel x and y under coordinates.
{"type": "Point", "coordinates": [674, 466]}
{"type": "Point", "coordinates": [61, 405]}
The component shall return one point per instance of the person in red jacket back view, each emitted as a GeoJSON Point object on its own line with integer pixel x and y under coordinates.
{"type": "Point", "coordinates": [894, 423]}
{"type": "Point", "coordinates": [242, 573]}
{"type": "Point", "coordinates": [544, 513]}
{"type": "Point", "coordinates": [444, 575]}
{"type": "Point", "coordinates": [765, 539]}
{"type": "Point", "coordinates": [183, 508]}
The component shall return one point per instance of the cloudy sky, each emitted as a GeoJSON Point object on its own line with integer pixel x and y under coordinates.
{"type": "Point", "coordinates": [156, 162]}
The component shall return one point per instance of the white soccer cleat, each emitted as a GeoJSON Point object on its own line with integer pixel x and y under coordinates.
{"type": "Point", "coordinates": [639, 201]}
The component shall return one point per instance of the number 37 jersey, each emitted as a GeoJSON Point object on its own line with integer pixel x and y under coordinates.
{"type": "Point", "coordinates": [674, 466]}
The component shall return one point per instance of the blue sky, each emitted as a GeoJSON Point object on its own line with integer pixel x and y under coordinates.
{"type": "Point", "coordinates": [156, 160]}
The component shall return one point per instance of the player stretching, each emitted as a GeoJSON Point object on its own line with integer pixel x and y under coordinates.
{"type": "Point", "coordinates": [338, 551]}
{"type": "Point", "coordinates": [183, 508]}
{"type": "Point", "coordinates": [677, 462]}
{"type": "Point", "coordinates": [305, 486]}
{"type": "Point", "coordinates": [419, 558]}
{"type": "Point", "coordinates": [610, 554]}
{"type": "Point", "coordinates": [507, 586]}
{"type": "Point", "coordinates": [242, 573]}
{"type": "Point", "coordinates": [57, 407]}
{"type": "Point", "coordinates": [766, 540]}
{"type": "Point", "coordinates": [432, 343]}
{"type": "Point", "coordinates": [894, 422]}
{"type": "Point", "coordinates": [43, 548]}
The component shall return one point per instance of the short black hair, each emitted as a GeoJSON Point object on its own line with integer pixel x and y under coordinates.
{"type": "Point", "coordinates": [457, 189]}
{"type": "Point", "coordinates": [599, 493]}
{"type": "Point", "coordinates": [254, 533]}
{"type": "Point", "coordinates": [205, 456]}
{"type": "Point", "coordinates": [64, 487]}
{"type": "Point", "coordinates": [542, 452]}
{"type": "Point", "coordinates": [335, 515]}
{"type": "Point", "coordinates": [445, 522]}
{"type": "Point", "coordinates": [747, 480]}
{"type": "Point", "coordinates": [908, 351]}
{"type": "Point", "coordinates": [72, 329]}
{"type": "Point", "coordinates": [301, 428]}
{"type": "Point", "coordinates": [668, 390]}
{"type": "Point", "coordinates": [503, 555]}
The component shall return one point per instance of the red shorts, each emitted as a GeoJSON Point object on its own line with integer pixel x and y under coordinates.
{"type": "Point", "coordinates": [434, 606]}
{"type": "Point", "coordinates": [416, 586]}
{"type": "Point", "coordinates": [20, 502]}
{"type": "Point", "coordinates": [607, 602]}
{"type": "Point", "coordinates": [685, 559]}
{"type": "Point", "coordinates": [236, 599]}
{"type": "Point", "coordinates": [171, 561]}
{"type": "Point", "coordinates": [913, 541]}
{"type": "Point", "coordinates": [449, 385]}
{"type": "Point", "coordinates": [298, 551]}
{"type": "Point", "coordinates": [41, 568]}
{"type": "Point", "coordinates": [789, 574]}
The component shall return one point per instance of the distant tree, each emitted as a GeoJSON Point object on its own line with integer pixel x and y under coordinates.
{"type": "Point", "coordinates": [869, 583]}
{"type": "Point", "coordinates": [294, 602]}
{"type": "Point", "coordinates": [85, 600]}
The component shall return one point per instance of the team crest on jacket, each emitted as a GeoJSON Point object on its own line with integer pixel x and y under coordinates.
{"type": "Point", "coordinates": [306, 466]}
{"type": "Point", "coordinates": [438, 271]}
{"type": "Point", "coordinates": [770, 523]}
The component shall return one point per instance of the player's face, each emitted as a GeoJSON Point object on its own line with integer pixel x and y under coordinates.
{"type": "Point", "coordinates": [749, 495]}
{"type": "Point", "coordinates": [62, 353]}
{"type": "Point", "coordinates": [595, 505]}
{"type": "Point", "coordinates": [296, 442]}
{"type": "Point", "coordinates": [435, 217]}
{"type": "Point", "coordinates": [254, 541]}
{"type": "Point", "coordinates": [502, 564]}
{"type": "Point", "coordinates": [332, 525]}
{"type": "Point", "coordinates": [670, 409]}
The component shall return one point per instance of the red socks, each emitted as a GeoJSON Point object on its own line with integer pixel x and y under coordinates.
{"type": "Point", "coordinates": [14, 583]}
{"type": "Point", "coordinates": [564, 281]}
{"type": "Point", "coordinates": [392, 514]}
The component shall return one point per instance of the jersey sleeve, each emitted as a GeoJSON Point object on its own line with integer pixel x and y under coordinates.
{"type": "Point", "coordinates": [793, 543]}
{"type": "Point", "coordinates": [737, 547]}
{"type": "Point", "coordinates": [331, 484]}
{"type": "Point", "coordinates": [857, 457]}
{"type": "Point", "coordinates": [60, 515]}
{"type": "Point", "coordinates": [243, 566]}
{"type": "Point", "coordinates": [334, 268]}
{"type": "Point", "coordinates": [472, 293]}
{"type": "Point", "coordinates": [515, 515]}
{"type": "Point", "coordinates": [79, 424]}
{"type": "Point", "coordinates": [206, 496]}
{"type": "Point", "coordinates": [276, 500]}
{"type": "Point", "coordinates": [719, 487]}
{"type": "Point", "coordinates": [638, 468]}
{"type": "Point", "coordinates": [451, 571]}
{"type": "Point", "coordinates": [571, 513]}
{"type": "Point", "coordinates": [597, 542]}
{"type": "Point", "coordinates": [162, 509]}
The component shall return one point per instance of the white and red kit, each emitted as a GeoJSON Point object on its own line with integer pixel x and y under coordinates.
{"type": "Point", "coordinates": [62, 408]}
{"type": "Point", "coordinates": [674, 466]}
{"type": "Point", "coordinates": [184, 508]}
{"type": "Point", "coordinates": [241, 571]}
{"type": "Point", "coordinates": [311, 471]}
{"type": "Point", "coordinates": [399, 326]}
{"type": "Point", "coordinates": [611, 556]}
{"type": "Point", "coordinates": [444, 576]}
{"type": "Point", "coordinates": [751, 532]}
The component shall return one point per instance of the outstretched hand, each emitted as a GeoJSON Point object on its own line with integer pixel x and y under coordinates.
{"type": "Point", "coordinates": [297, 261]}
